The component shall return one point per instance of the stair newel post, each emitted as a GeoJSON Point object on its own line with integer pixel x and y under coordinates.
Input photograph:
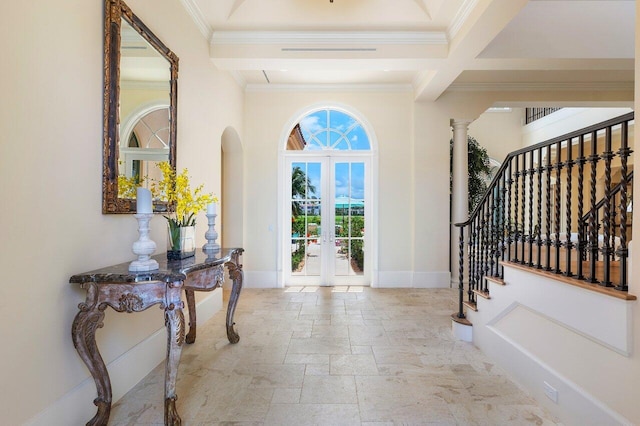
{"type": "Point", "coordinates": [568, 243]}
{"type": "Point", "coordinates": [606, 250]}
{"type": "Point", "coordinates": [581, 235]}
{"type": "Point", "coordinates": [516, 213]}
{"type": "Point", "coordinates": [461, 272]}
{"type": "Point", "coordinates": [507, 217]}
{"type": "Point", "coordinates": [503, 192]}
{"type": "Point", "coordinates": [524, 208]}
{"type": "Point", "coordinates": [556, 208]}
{"type": "Point", "coordinates": [593, 228]}
{"type": "Point", "coordinates": [540, 170]}
{"type": "Point", "coordinates": [531, 202]}
{"type": "Point", "coordinates": [478, 250]}
{"type": "Point", "coordinates": [473, 251]}
{"type": "Point", "coordinates": [548, 169]}
{"type": "Point", "coordinates": [623, 251]}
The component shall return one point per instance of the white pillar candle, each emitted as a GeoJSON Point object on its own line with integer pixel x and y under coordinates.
{"type": "Point", "coordinates": [211, 208]}
{"type": "Point", "coordinates": [143, 203]}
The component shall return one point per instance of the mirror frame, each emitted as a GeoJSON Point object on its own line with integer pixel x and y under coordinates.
{"type": "Point", "coordinates": [115, 11]}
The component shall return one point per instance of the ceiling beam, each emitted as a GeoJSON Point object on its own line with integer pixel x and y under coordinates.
{"type": "Point", "coordinates": [484, 23]}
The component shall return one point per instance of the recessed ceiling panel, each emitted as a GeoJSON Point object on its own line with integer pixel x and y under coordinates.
{"type": "Point", "coordinates": [568, 29]}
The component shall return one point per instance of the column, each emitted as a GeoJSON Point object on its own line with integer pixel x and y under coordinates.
{"type": "Point", "coordinates": [460, 192]}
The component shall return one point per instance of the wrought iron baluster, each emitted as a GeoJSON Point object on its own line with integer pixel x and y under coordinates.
{"type": "Point", "coordinates": [531, 202]}
{"type": "Point", "coordinates": [522, 212]}
{"type": "Point", "coordinates": [558, 191]}
{"type": "Point", "coordinates": [540, 170]}
{"type": "Point", "coordinates": [493, 232]}
{"type": "Point", "coordinates": [516, 231]}
{"type": "Point", "coordinates": [593, 228]}
{"type": "Point", "coordinates": [623, 251]}
{"type": "Point", "coordinates": [485, 253]}
{"type": "Point", "coordinates": [507, 218]}
{"type": "Point", "coordinates": [581, 242]}
{"type": "Point", "coordinates": [568, 245]}
{"type": "Point", "coordinates": [606, 250]}
{"type": "Point", "coordinates": [548, 169]}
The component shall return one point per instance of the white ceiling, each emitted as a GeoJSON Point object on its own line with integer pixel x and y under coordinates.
{"type": "Point", "coordinates": [427, 46]}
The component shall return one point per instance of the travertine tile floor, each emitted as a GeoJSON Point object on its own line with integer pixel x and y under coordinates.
{"type": "Point", "coordinates": [335, 356]}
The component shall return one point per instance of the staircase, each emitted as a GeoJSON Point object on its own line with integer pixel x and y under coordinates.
{"type": "Point", "coordinates": [544, 269]}
{"type": "Point", "coordinates": [561, 208]}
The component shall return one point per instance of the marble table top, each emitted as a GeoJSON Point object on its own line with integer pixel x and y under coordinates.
{"type": "Point", "coordinates": [168, 271]}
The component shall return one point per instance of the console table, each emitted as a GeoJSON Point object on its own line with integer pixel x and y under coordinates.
{"type": "Point", "coordinates": [126, 291]}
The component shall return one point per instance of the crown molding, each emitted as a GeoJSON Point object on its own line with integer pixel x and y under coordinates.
{"type": "Point", "coordinates": [329, 37]}
{"type": "Point", "coordinates": [601, 86]}
{"type": "Point", "coordinates": [329, 88]}
{"type": "Point", "coordinates": [198, 18]}
{"type": "Point", "coordinates": [460, 18]}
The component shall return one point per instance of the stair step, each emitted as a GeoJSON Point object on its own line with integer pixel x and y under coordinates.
{"type": "Point", "coordinates": [471, 305]}
{"type": "Point", "coordinates": [495, 280]}
{"type": "Point", "coordinates": [462, 321]}
{"type": "Point", "coordinates": [482, 293]}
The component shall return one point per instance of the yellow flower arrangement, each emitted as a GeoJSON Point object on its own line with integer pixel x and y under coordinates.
{"type": "Point", "coordinates": [175, 189]}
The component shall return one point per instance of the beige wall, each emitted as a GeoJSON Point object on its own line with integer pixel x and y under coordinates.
{"type": "Point", "coordinates": [50, 163]}
{"type": "Point", "coordinates": [267, 115]}
{"type": "Point", "coordinates": [50, 166]}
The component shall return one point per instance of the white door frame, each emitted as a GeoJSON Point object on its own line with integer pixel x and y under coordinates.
{"type": "Point", "coordinates": [284, 175]}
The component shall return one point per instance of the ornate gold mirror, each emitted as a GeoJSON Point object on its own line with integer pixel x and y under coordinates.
{"type": "Point", "coordinates": [140, 103]}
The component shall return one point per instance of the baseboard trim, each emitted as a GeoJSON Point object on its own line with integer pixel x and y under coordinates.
{"type": "Point", "coordinates": [431, 280]}
{"type": "Point", "coordinates": [75, 407]}
{"type": "Point", "coordinates": [260, 279]}
{"type": "Point", "coordinates": [395, 279]}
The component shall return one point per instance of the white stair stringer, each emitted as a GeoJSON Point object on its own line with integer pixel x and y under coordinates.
{"type": "Point", "coordinates": [577, 341]}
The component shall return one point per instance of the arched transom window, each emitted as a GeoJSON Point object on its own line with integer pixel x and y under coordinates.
{"type": "Point", "coordinates": [328, 130]}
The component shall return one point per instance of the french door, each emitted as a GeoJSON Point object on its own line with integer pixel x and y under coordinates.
{"type": "Point", "coordinates": [329, 210]}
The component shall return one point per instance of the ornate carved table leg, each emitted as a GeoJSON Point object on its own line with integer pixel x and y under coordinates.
{"type": "Point", "coordinates": [191, 304]}
{"type": "Point", "coordinates": [237, 276]}
{"type": "Point", "coordinates": [83, 333]}
{"type": "Point", "coordinates": [174, 321]}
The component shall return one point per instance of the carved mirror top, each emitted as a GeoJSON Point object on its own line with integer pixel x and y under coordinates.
{"type": "Point", "coordinates": [140, 104]}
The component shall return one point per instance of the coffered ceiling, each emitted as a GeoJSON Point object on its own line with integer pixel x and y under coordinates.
{"type": "Point", "coordinates": [427, 46]}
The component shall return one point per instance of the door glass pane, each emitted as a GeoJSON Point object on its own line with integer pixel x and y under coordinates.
{"type": "Point", "coordinates": [306, 202]}
{"type": "Point", "coordinates": [349, 218]}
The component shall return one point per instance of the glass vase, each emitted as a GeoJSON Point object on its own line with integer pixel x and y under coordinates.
{"type": "Point", "coordinates": [181, 242]}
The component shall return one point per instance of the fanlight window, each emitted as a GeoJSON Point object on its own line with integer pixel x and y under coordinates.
{"type": "Point", "coordinates": [328, 130]}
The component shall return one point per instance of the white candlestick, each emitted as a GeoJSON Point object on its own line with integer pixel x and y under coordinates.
{"type": "Point", "coordinates": [144, 247]}
{"type": "Point", "coordinates": [143, 203]}
{"type": "Point", "coordinates": [211, 208]}
{"type": "Point", "coordinates": [211, 235]}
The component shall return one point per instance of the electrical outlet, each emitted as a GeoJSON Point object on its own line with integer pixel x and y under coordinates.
{"type": "Point", "coordinates": [551, 392]}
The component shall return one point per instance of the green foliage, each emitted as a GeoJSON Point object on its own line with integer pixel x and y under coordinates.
{"type": "Point", "coordinates": [479, 170]}
{"type": "Point", "coordinates": [300, 184]}
{"type": "Point", "coordinates": [298, 255]}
